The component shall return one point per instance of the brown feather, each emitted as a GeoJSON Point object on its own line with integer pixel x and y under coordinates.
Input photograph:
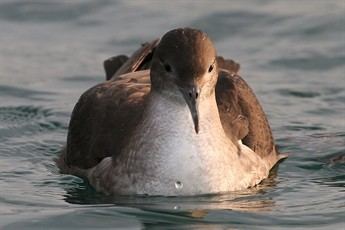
{"type": "Point", "coordinates": [106, 115]}
{"type": "Point", "coordinates": [102, 119]}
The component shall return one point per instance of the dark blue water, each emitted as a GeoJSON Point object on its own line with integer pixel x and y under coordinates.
{"type": "Point", "coordinates": [292, 53]}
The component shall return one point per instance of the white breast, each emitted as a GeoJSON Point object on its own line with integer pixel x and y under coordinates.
{"type": "Point", "coordinates": [167, 157]}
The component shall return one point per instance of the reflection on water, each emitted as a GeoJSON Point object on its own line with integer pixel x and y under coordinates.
{"type": "Point", "coordinates": [291, 54]}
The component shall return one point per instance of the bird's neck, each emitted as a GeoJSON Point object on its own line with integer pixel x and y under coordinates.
{"type": "Point", "coordinates": [166, 131]}
{"type": "Point", "coordinates": [175, 112]}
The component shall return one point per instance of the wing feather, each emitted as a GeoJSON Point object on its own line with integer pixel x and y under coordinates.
{"type": "Point", "coordinates": [111, 110]}
{"type": "Point", "coordinates": [235, 98]}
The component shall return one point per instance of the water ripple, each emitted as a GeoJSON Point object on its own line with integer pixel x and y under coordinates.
{"type": "Point", "coordinates": [27, 120]}
{"type": "Point", "coordinates": [315, 62]}
{"type": "Point", "coordinates": [230, 23]}
{"type": "Point", "coordinates": [298, 93]}
{"type": "Point", "coordinates": [10, 91]}
{"type": "Point", "coordinates": [52, 11]}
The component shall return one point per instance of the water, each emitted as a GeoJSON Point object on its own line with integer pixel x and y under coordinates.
{"type": "Point", "coordinates": [291, 52]}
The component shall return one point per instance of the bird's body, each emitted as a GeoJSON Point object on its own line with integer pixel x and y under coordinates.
{"type": "Point", "coordinates": [135, 133]}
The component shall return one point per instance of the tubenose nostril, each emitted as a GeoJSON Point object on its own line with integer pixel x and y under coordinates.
{"type": "Point", "coordinates": [193, 94]}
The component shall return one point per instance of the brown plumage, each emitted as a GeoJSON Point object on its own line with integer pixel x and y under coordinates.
{"type": "Point", "coordinates": [107, 114]}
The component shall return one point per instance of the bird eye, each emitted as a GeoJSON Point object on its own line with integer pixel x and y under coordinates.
{"type": "Point", "coordinates": [210, 68]}
{"type": "Point", "coordinates": [167, 68]}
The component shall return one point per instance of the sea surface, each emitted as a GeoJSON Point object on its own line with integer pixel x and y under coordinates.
{"type": "Point", "coordinates": [292, 53]}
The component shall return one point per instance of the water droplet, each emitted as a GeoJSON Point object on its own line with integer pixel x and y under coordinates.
{"type": "Point", "coordinates": [178, 185]}
{"type": "Point", "coordinates": [176, 207]}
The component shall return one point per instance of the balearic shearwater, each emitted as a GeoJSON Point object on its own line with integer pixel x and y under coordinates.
{"type": "Point", "coordinates": [174, 119]}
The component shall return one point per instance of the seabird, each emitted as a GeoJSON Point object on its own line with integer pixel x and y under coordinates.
{"type": "Point", "coordinates": [173, 119]}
